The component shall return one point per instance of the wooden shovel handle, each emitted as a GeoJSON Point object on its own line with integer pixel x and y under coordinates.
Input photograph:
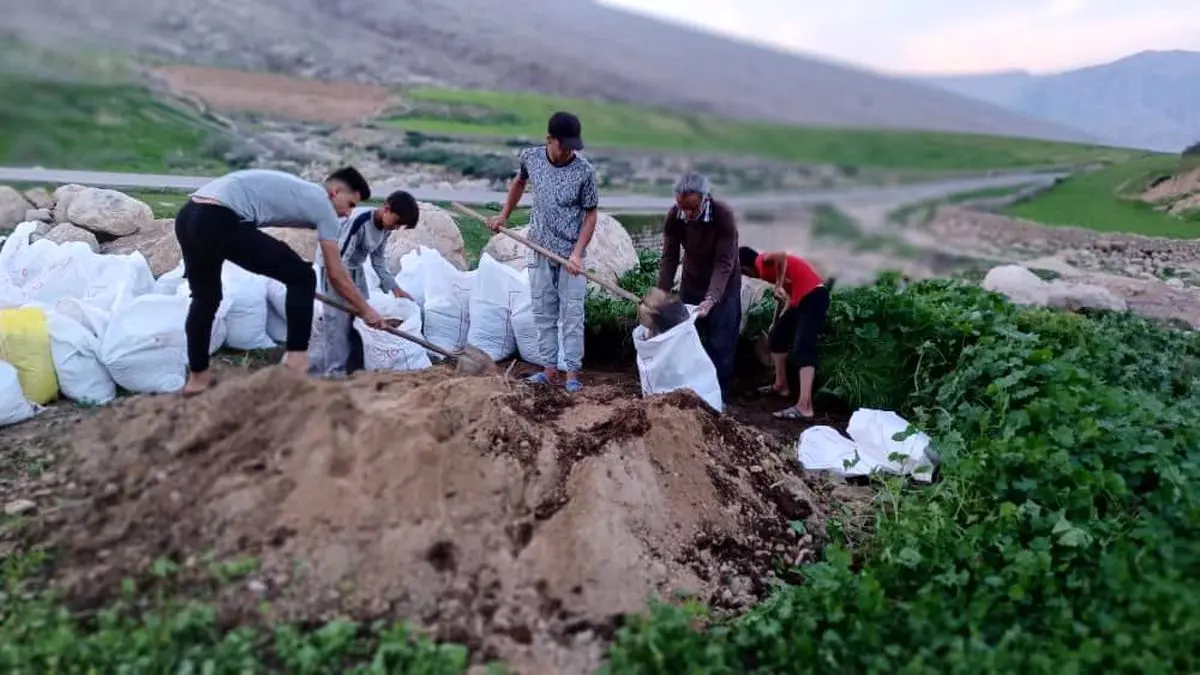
{"type": "Point", "coordinates": [388, 329]}
{"type": "Point", "coordinates": [610, 287]}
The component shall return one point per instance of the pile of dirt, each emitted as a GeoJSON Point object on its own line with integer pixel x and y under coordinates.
{"type": "Point", "coordinates": [521, 521]}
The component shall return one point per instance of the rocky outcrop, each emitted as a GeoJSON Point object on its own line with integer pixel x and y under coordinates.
{"type": "Point", "coordinates": [610, 254]}
{"type": "Point", "coordinates": [1023, 287]}
{"type": "Point", "coordinates": [65, 232]}
{"type": "Point", "coordinates": [156, 242]}
{"type": "Point", "coordinates": [40, 198]}
{"type": "Point", "coordinates": [107, 213]}
{"type": "Point", "coordinates": [13, 206]}
{"type": "Point", "coordinates": [436, 229]}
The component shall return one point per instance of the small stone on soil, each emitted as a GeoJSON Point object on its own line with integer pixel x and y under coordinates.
{"type": "Point", "coordinates": [19, 507]}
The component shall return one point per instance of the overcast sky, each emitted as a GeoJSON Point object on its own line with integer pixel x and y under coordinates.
{"type": "Point", "coordinates": [949, 36]}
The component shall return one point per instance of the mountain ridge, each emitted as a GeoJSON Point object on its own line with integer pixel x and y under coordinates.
{"type": "Point", "coordinates": [578, 48]}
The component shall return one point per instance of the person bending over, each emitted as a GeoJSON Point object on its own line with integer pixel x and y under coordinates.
{"type": "Point", "coordinates": [363, 235]}
{"type": "Point", "coordinates": [563, 220]}
{"type": "Point", "coordinates": [221, 221]}
{"type": "Point", "coordinates": [797, 331]}
{"type": "Point", "coordinates": [706, 231]}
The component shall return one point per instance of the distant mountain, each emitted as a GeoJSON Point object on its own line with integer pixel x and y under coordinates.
{"type": "Point", "coordinates": [566, 47]}
{"type": "Point", "coordinates": [1148, 100]}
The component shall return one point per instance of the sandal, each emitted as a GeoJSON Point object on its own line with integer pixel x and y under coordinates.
{"type": "Point", "coordinates": [573, 386]}
{"type": "Point", "coordinates": [770, 390]}
{"type": "Point", "coordinates": [538, 378]}
{"type": "Point", "coordinates": [791, 413]}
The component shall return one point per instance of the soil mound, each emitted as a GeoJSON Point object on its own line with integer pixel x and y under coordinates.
{"type": "Point", "coordinates": [522, 521]}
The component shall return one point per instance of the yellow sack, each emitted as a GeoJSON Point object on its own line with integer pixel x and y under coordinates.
{"type": "Point", "coordinates": [25, 343]}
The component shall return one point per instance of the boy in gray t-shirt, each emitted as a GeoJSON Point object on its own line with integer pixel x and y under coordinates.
{"type": "Point", "coordinates": [363, 239]}
{"type": "Point", "coordinates": [221, 222]}
{"type": "Point", "coordinates": [563, 220]}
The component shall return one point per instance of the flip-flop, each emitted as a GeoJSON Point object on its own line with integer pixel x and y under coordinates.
{"type": "Point", "coordinates": [791, 413]}
{"type": "Point", "coordinates": [538, 378]}
{"type": "Point", "coordinates": [573, 386]}
{"type": "Point", "coordinates": [770, 389]}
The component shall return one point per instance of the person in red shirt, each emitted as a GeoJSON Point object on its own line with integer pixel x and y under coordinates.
{"type": "Point", "coordinates": [797, 331]}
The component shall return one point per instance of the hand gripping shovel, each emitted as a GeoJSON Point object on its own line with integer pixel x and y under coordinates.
{"type": "Point", "coordinates": [472, 360]}
{"type": "Point", "coordinates": [659, 311]}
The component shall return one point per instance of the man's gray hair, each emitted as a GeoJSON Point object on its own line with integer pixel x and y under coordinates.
{"type": "Point", "coordinates": [692, 183]}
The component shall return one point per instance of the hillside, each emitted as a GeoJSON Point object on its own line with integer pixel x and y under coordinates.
{"type": "Point", "coordinates": [1146, 100]}
{"type": "Point", "coordinates": [564, 47]}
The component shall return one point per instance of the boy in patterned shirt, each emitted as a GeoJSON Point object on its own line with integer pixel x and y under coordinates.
{"type": "Point", "coordinates": [563, 220]}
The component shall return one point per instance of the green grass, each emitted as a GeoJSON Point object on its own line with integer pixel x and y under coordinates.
{"type": "Point", "coordinates": [74, 124]}
{"type": "Point", "coordinates": [1105, 201]}
{"type": "Point", "coordinates": [616, 125]}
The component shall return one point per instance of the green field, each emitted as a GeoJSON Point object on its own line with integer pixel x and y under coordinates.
{"type": "Point", "coordinates": [69, 124]}
{"type": "Point", "coordinates": [616, 125]}
{"type": "Point", "coordinates": [1105, 201]}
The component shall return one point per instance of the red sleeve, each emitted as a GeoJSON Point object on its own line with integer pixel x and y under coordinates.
{"type": "Point", "coordinates": [764, 270]}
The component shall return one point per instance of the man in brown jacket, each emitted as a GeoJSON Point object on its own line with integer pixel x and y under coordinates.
{"type": "Point", "coordinates": [706, 231]}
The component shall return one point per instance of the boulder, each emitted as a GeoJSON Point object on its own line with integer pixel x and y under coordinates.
{"type": "Point", "coordinates": [610, 254]}
{"type": "Point", "coordinates": [62, 200]}
{"type": "Point", "coordinates": [156, 242]}
{"type": "Point", "coordinates": [1076, 296]}
{"type": "Point", "coordinates": [40, 198]}
{"type": "Point", "coordinates": [39, 216]}
{"type": "Point", "coordinates": [66, 232]}
{"type": "Point", "coordinates": [13, 206]}
{"type": "Point", "coordinates": [39, 231]}
{"type": "Point", "coordinates": [436, 229]}
{"type": "Point", "coordinates": [301, 240]}
{"type": "Point", "coordinates": [108, 213]}
{"type": "Point", "coordinates": [1017, 284]}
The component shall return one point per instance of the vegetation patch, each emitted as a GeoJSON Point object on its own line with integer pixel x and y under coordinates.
{"type": "Point", "coordinates": [617, 125]}
{"type": "Point", "coordinates": [1110, 200]}
{"type": "Point", "coordinates": [1055, 538]}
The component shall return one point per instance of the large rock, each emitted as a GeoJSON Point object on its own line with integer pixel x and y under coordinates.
{"type": "Point", "coordinates": [1017, 284]}
{"type": "Point", "coordinates": [610, 254]}
{"type": "Point", "coordinates": [437, 230]}
{"type": "Point", "coordinates": [12, 208]}
{"type": "Point", "coordinates": [301, 240]}
{"type": "Point", "coordinates": [39, 216]}
{"type": "Point", "coordinates": [63, 195]}
{"type": "Point", "coordinates": [40, 198]}
{"type": "Point", "coordinates": [156, 242]}
{"type": "Point", "coordinates": [66, 232]}
{"type": "Point", "coordinates": [1023, 287]}
{"type": "Point", "coordinates": [108, 213]}
{"type": "Point", "coordinates": [1075, 297]}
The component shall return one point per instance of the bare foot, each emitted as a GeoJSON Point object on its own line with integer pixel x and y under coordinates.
{"type": "Point", "coordinates": [297, 361]}
{"type": "Point", "coordinates": [198, 383]}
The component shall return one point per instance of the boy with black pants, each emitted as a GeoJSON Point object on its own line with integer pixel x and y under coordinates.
{"type": "Point", "coordinates": [793, 340]}
{"type": "Point", "coordinates": [221, 222]}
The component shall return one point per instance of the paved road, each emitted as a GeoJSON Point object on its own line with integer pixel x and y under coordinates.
{"type": "Point", "coordinates": [897, 194]}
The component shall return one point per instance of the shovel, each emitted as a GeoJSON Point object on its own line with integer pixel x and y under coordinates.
{"type": "Point", "coordinates": [658, 311]}
{"type": "Point", "coordinates": [762, 343]}
{"type": "Point", "coordinates": [472, 360]}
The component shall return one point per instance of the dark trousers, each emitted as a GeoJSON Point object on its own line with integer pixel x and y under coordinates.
{"type": "Point", "coordinates": [208, 236]}
{"type": "Point", "coordinates": [719, 332]}
{"type": "Point", "coordinates": [798, 331]}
